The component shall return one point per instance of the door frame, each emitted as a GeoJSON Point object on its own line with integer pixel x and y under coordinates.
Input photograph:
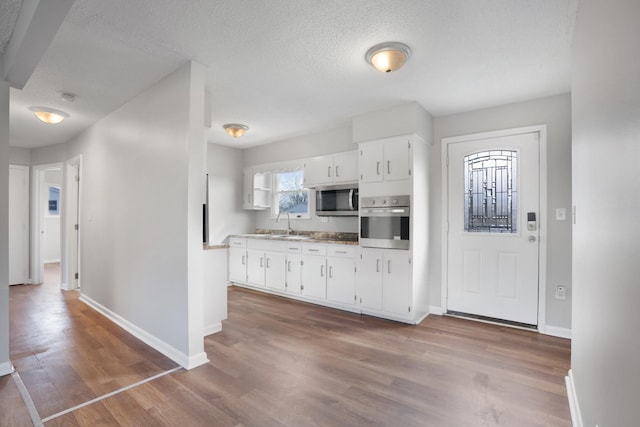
{"type": "Point", "coordinates": [73, 196]}
{"type": "Point", "coordinates": [25, 188]}
{"type": "Point", "coordinates": [542, 238]}
{"type": "Point", "coordinates": [37, 219]}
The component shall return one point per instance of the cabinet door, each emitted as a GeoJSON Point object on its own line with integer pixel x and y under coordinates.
{"type": "Point", "coordinates": [237, 265]}
{"type": "Point", "coordinates": [274, 275]}
{"type": "Point", "coordinates": [371, 162]}
{"type": "Point", "coordinates": [255, 267]}
{"type": "Point", "coordinates": [247, 188]}
{"type": "Point", "coordinates": [396, 282]}
{"type": "Point", "coordinates": [345, 166]}
{"type": "Point", "coordinates": [369, 279]}
{"type": "Point", "coordinates": [293, 273]}
{"type": "Point", "coordinates": [314, 276]}
{"type": "Point", "coordinates": [341, 280]}
{"type": "Point", "coordinates": [318, 171]}
{"type": "Point", "coordinates": [396, 160]}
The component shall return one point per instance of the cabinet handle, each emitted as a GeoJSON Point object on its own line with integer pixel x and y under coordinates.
{"type": "Point", "coordinates": [313, 250]}
{"type": "Point", "coordinates": [249, 198]}
{"type": "Point", "coordinates": [289, 266]}
{"type": "Point", "coordinates": [377, 168]}
{"type": "Point", "coordinates": [330, 272]}
{"type": "Point", "coordinates": [337, 171]}
{"type": "Point", "coordinates": [388, 167]}
{"type": "Point", "coordinates": [329, 171]}
{"type": "Point", "coordinates": [242, 259]}
{"type": "Point", "coordinates": [261, 263]}
{"type": "Point", "coordinates": [322, 271]}
{"type": "Point", "coordinates": [389, 266]}
{"type": "Point", "coordinates": [341, 252]}
{"type": "Point", "coordinates": [377, 266]}
{"type": "Point", "coordinates": [268, 262]}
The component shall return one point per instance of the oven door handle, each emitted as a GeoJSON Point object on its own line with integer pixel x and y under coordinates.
{"type": "Point", "coordinates": [386, 212]}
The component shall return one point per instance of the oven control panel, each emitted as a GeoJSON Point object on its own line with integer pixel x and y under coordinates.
{"type": "Point", "coordinates": [384, 201]}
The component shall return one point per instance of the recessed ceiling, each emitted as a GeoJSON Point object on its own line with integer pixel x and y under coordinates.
{"type": "Point", "coordinates": [289, 68]}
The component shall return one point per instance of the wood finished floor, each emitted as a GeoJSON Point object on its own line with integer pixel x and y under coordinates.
{"type": "Point", "coordinates": [283, 363]}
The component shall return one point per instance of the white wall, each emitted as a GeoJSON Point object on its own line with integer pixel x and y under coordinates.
{"type": "Point", "coordinates": [4, 228]}
{"type": "Point", "coordinates": [402, 119]}
{"type": "Point", "coordinates": [20, 156]}
{"type": "Point", "coordinates": [226, 216]}
{"type": "Point", "coordinates": [142, 193]}
{"type": "Point", "coordinates": [555, 112]}
{"type": "Point", "coordinates": [605, 351]}
{"type": "Point", "coordinates": [318, 144]}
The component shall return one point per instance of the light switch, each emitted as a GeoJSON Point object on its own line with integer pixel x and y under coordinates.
{"type": "Point", "coordinates": [561, 214]}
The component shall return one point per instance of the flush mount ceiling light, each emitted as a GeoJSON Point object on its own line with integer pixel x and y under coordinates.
{"type": "Point", "coordinates": [235, 130]}
{"type": "Point", "coordinates": [49, 115]}
{"type": "Point", "coordinates": [388, 57]}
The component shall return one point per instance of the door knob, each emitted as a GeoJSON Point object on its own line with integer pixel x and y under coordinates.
{"type": "Point", "coordinates": [532, 239]}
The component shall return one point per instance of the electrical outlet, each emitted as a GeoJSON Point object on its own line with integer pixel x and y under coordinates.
{"type": "Point", "coordinates": [561, 292]}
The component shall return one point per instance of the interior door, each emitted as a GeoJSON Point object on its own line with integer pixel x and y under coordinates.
{"type": "Point", "coordinates": [493, 209]}
{"type": "Point", "coordinates": [18, 224]}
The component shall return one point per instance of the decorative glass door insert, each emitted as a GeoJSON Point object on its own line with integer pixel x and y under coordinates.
{"type": "Point", "coordinates": [491, 189]}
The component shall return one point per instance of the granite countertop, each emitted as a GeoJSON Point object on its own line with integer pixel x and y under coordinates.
{"type": "Point", "coordinates": [304, 236]}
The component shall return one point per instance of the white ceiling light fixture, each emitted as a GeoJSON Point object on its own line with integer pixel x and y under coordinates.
{"type": "Point", "coordinates": [389, 56]}
{"type": "Point", "coordinates": [50, 116]}
{"type": "Point", "coordinates": [235, 130]}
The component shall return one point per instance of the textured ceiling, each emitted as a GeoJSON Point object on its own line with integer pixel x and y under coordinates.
{"type": "Point", "coordinates": [287, 68]}
{"type": "Point", "coordinates": [9, 10]}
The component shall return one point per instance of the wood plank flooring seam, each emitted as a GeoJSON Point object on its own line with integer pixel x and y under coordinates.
{"type": "Point", "coordinates": [110, 394]}
{"type": "Point", "coordinates": [26, 397]}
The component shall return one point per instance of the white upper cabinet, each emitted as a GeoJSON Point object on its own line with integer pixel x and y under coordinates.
{"type": "Point", "coordinates": [331, 169]}
{"type": "Point", "coordinates": [345, 166]}
{"type": "Point", "coordinates": [385, 161]}
{"type": "Point", "coordinates": [256, 190]}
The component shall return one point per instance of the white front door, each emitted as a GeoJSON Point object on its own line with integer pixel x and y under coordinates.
{"type": "Point", "coordinates": [493, 210]}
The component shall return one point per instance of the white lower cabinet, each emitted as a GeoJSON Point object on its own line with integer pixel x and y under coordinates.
{"type": "Point", "coordinates": [341, 276]}
{"type": "Point", "coordinates": [255, 267]}
{"type": "Point", "coordinates": [265, 264]}
{"type": "Point", "coordinates": [275, 271]}
{"type": "Point", "coordinates": [371, 281]}
{"type": "Point", "coordinates": [384, 281]}
{"type": "Point", "coordinates": [314, 271]}
{"type": "Point", "coordinates": [292, 273]}
{"type": "Point", "coordinates": [396, 283]}
{"type": "Point", "coordinates": [237, 260]}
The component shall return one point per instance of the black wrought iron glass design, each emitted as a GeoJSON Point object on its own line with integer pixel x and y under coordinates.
{"type": "Point", "coordinates": [491, 191]}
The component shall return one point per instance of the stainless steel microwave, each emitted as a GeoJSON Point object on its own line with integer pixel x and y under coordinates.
{"type": "Point", "coordinates": [339, 200]}
{"type": "Point", "coordinates": [384, 222]}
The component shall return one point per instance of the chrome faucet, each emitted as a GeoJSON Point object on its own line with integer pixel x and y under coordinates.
{"type": "Point", "coordinates": [289, 229]}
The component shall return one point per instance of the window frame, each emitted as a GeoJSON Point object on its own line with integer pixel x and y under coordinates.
{"type": "Point", "coordinates": [275, 205]}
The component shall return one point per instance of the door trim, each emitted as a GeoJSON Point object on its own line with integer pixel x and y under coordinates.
{"type": "Point", "coordinates": [542, 238]}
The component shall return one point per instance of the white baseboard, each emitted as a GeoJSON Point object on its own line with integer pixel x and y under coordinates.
{"type": "Point", "coordinates": [556, 331]}
{"type": "Point", "coordinates": [6, 368]}
{"type": "Point", "coordinates": [212, 329]}
{"type": "Point", "coordinates": [187, 362]}
{"type": "Point", "coordinates": [435, 310]}
{"type": "Point", "coordinates": [574, 407]}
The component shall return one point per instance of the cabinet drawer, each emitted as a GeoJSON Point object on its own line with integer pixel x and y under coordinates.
{"type": "Point", "coordinates": [237, 242]}
{"type": "Point", "coordinates": [294, 248]}
{"type": "Point", "coordinates": [343, 251]}
{"type": "Point", "coordinates": [314, 249]}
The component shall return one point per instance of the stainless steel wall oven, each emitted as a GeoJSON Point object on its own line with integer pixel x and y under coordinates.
{"type": "Point", "coordinates": [384, 222]}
